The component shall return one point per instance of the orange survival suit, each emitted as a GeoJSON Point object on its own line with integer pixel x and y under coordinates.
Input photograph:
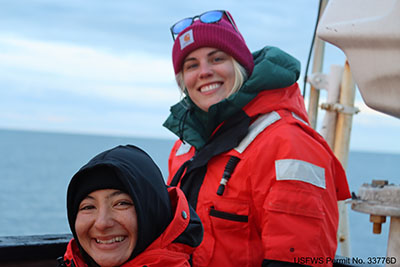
{"type": "Point", "coordinates": [278, 199]}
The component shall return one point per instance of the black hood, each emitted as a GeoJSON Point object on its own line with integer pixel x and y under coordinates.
{"type": "Point", "coordinates": [141, 179]}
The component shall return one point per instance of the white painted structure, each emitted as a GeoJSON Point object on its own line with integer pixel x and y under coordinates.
{"type": "Point", "coordinates": [368, 32]}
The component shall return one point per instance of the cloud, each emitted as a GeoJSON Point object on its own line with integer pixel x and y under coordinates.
{"type": "Point", "coordinates": [82, 62]}
{"type": "Point", "coordinates": [84, 70]}
{"type": "Point", "coordinates": [68, 87]}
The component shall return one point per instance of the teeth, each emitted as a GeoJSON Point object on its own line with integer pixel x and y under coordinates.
{"type": "Point", "coordinates": [115, 239]}
{"type": "Point", "coordinates": [209, 87]}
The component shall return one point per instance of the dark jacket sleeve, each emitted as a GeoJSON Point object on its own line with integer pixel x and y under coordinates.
{"type": "Point", "coordinates": [272, 263]}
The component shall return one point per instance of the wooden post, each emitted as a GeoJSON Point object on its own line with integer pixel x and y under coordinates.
{"type": "Point", "coordinates": [393, 249]}
{"type": "Point", "coordinates": [319, 49]}
{"type": "Point", "coordinates": [341, 150]}
{"type": "Point", "coordinates": [345, 120]}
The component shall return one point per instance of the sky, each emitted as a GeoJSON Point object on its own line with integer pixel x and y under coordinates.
{"type": "Point", "coordinates": [104, 67]}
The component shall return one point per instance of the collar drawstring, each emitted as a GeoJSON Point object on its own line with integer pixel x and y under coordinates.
{"type": "Point", "coordinates": [182, 122]}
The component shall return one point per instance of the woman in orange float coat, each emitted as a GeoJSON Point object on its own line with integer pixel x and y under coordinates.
{"type": "Point", "coordinates": [122, 214]}
{"type": "Point", "coordinates": [264, 184]}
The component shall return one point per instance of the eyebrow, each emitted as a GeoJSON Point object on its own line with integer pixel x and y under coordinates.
{"type": "Point", "coordinates": [209, 54]}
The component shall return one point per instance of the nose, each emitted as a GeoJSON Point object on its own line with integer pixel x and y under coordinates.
{"type": "Point", "coordinates": [205, 70]}
{"type": "Point", "coordinates": [104, 219]}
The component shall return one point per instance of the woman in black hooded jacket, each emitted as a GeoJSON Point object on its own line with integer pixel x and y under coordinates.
{"type": "Point", "coordinates": [122, 214]}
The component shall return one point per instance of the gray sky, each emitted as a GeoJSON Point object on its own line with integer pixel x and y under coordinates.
{"type": "Point", "coordinates": [104, 67]}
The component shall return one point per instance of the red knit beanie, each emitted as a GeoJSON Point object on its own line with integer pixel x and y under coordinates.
{"type": "Point", "coordinates": [221, 35]}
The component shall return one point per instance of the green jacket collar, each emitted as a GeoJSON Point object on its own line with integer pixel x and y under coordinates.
{"type": "Point", "coordinates": [273, 69]}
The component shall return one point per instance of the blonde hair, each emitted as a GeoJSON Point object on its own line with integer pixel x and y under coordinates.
{"type": "Point", "coordinates": [240, 78]}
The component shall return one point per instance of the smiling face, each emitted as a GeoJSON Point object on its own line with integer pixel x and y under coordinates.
{"type": "Point", "coordinates": [209, 76]}
{"type": "Point", "coordinates": [106, 226]}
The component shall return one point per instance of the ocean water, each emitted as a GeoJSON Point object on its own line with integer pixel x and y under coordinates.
{"type": "Point", "coordinates": [35, 168]}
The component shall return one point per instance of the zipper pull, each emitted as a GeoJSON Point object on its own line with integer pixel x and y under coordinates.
{"type": "Point", "coordinates": [229, 168]}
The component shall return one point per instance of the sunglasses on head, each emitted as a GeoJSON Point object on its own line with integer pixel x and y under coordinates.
{"type": "Point", "coordinates": [207, 17]}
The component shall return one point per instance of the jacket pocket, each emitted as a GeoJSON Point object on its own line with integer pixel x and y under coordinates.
{"type": "Point", "coordinates": [230, 229]}
{"type": "Point", "coordinates": [228, 216]}
{"type": "Point", "coordinates": [294, 223]}
{"type": "Point", "coordinates": [295, 201]}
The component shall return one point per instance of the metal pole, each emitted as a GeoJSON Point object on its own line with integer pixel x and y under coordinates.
{"type": "Point", "coordinates": [319, 49]}
{"type": "Point", "coordinates": [341, 150]}
{"type": "Point", "coordinates": [328, 127]}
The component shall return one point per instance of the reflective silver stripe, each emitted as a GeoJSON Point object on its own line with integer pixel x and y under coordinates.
{"type": "Point", "coordinates": [297, 117]}
{"type": "Point", "coordinates": [292, 169]}
{"type": "Point", "coordinates": [256, 128]}
{"type": "Point", "coordinates": [183, 149]}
